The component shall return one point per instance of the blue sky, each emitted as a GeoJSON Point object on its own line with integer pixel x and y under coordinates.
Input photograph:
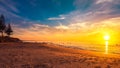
{"type": "Point", "coordinates": [36, 10]}
{"type": "Point", "coordinates": [53, 12]}
{"type": "Point", "coordinates": [54, 16]}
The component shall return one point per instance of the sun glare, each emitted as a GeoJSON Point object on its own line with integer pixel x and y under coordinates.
{"type": "Point", "coordinates": [106, 37]}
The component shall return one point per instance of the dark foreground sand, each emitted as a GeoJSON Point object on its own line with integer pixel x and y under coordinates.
{"type": "Point", "coordinates": [46, 55]}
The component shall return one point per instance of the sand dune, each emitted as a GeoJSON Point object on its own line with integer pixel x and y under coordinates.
{"type": "Point", "coordinates": [48, 55]}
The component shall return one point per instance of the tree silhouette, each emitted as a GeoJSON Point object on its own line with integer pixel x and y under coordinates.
{"type": "Point", "coordinates": [2, 26]}
{"type": "Point", "coordinates": [9, 30]}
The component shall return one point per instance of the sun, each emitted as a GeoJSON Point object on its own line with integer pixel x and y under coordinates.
{"type": "Point", "coordinates": [106, 37]}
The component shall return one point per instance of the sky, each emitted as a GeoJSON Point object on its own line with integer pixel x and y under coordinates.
{"type": "Point", "coordinates": [63, 20]}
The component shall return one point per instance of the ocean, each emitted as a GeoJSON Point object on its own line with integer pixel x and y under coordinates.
{"type": "Point", "coordinates": [115, 49]}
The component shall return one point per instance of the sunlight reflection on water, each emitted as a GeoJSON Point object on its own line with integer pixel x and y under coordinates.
{"type": "Point", "coordinates": [95, 47]}
{"type": "Point", "coordinates": [92, 47]}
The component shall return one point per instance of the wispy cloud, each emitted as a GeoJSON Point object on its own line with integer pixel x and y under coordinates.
{"type": "Point", "coordinates": [8, 4]}
{"type": "Point", "coordinates": [8, 14]}
{"type": "Point", "coordinates": [95, 12]}
{"type": "Point", "coordinates": [10, 11]}
{"type": "Point", "coordinates": [61, 17]}
{"type": "Point", "coordinates": [103, 1]}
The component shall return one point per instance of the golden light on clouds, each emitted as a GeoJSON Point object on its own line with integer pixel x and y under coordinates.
{"type": "Point", "coordinates": [91, 32]}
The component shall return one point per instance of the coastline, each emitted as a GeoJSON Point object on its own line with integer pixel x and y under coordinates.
{"type": "Point", "coordinates": [49, 55]}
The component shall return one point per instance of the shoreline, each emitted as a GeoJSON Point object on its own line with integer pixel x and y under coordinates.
{"type": "Point", "coordinates": [49, 55]}
{"type": "Point", "coordinates": [78, 50]}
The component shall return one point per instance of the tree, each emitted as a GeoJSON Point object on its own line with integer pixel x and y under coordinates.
{"type": "Point", "coordinates": [2, 26]}
{"type": "Point", "coordinates": [9, 30]}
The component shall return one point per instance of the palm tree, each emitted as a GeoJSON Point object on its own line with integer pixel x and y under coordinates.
{"type": "Point", "coordinates": [9, 30]}
{"type": "Point", "coordinates": [2, 26]}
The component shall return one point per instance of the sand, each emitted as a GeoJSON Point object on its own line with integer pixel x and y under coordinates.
{"type": "Point", "coordinates": [48, 55]}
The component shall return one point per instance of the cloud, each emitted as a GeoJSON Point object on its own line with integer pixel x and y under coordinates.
{"type": "Point", "coordinates": [36, 28]}
{"type": "Point", "coordinates": [95, 12]}
{"type": "Point", "coordinates": [9, 10]}
{"type": "Point", "coordinates": [37, 32]}
{"type": "Point", "coordinates": [111, 24]}
{"type": "Point", "coordinates": [61, 27]}
{"type": "Point", "coordinates": [61, 17]}
{"type": "Point", "coordinates": [103, 1]}
{"type": "Point", "coordinates": [83, 5]}
{"type": "Point", "coordinates": [9, 5]}
{"type": "Point", "coordinates": [9, 15]}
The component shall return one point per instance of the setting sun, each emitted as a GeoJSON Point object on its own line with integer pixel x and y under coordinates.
{"type": "Point", "coordinates": [106, 37]}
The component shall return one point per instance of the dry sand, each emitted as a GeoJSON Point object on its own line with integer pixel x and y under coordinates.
{"type": "Point", "coordinates": [48, 55]}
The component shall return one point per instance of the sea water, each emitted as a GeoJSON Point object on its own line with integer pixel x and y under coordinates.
{"type": "Point", "coordinates": [115, 49]}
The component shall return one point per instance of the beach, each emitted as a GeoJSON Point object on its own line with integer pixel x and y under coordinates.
{"type": "Point", "coordinates": [49, 55]}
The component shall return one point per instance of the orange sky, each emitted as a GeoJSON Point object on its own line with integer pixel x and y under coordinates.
{"type": "Point", "coordinates": [92, 33]}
